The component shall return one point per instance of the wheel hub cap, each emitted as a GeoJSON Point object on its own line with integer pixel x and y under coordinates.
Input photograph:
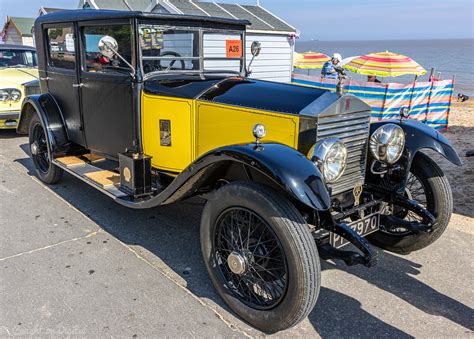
{"type": "Point", "coordinates": [237, 263]}
{"type": "Point", "coordinates": [34, 148]}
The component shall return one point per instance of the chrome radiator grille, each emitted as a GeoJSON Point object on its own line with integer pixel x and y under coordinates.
{"type": "Point", "coordinates": [353, 130]}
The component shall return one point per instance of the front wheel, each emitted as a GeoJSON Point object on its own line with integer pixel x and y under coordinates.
{"type": "Point", "coordinates": [40, 153]}
{"type": "Point", "coordinates": [260, 256]}
{"type": "Point", "coordinates": [427, 185]}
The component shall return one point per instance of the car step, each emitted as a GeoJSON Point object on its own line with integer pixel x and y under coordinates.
{"type": "Point", "coordinates": [75, 160]}
{"type": "Point", "coordinates": [104, 178]}
{"type": "Point", "coordinates": [86, 167]}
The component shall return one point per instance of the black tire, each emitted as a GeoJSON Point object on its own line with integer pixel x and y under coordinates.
{"type": "Point", "coordinates": [40, 153]}
{"type": "Point", "coordinates": [439, 202]}
{"type": "Point", "coordinates": [295, 245]}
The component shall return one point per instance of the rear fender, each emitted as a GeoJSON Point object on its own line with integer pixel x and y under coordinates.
{"type": "Point", "coordinates": [50, 116]}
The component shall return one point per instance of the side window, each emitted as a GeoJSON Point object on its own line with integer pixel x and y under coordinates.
{"type": "Point", "coordinates": [96, 62]}
{"type": "Point", "coordinates": [61, 47]}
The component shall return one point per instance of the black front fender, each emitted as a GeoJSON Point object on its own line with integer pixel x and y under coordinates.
{"type": "Point", "coordinates": [50, 115]}
{"type": "Point", "coordinates": [290, 170]}
{"type": "Point", "coordinates": [419, 136]}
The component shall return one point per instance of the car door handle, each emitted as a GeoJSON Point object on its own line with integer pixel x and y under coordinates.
{"type": "Point", "coordinates": [45, 79]}
{"type": "Point", "coordinates": [78, 85]}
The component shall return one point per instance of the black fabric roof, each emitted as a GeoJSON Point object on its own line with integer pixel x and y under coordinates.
{"type": "Point", "coordinates": [88, 14]}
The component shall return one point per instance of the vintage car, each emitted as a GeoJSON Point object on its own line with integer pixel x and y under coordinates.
{"type": "Point", "coordinates": [151, 109]}
{"type": "Point", "coordinates": [18, 77]}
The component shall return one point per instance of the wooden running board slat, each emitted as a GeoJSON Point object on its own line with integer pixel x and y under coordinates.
{"type": "Point", "coordinates": [104, 178]}
{"type": "Point", "coordinates": [92, 157]}
{"type": "Point", "coordinates": [73, 160]}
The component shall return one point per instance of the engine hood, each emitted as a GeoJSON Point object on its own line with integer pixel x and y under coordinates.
{"type": "Point", "coordinates": [15, 77]}
{"type": "Point", "coordinates": [256, 94]}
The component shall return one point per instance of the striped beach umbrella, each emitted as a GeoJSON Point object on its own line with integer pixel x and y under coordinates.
{"type": "Point", "coordinates": [309, 60]}
{"type": "Point", "coordinates": [386, 64]}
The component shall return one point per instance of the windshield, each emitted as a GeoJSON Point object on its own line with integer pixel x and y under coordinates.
{"type": "Point", "coordinates": [17, 58]}
{"type": "Point", "coordinates": [182, 49]}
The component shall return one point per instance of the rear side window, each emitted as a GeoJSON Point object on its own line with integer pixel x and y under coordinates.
{"type": "Point", "coordinates": [94, 61]}
{"type": "Point", "coordinates": [61, 47]}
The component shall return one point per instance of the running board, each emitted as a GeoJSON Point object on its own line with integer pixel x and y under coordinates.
{"type": "Point", "coordinates": [86, 167]}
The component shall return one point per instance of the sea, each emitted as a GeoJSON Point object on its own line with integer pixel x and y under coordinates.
{"type": "Point", "coordinates": [449, 58]}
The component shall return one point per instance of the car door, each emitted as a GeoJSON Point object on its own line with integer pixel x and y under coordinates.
{"type": "Point", "coordinates": [106, 90]}
{"type": "Point", "coordinates": [61, 76]}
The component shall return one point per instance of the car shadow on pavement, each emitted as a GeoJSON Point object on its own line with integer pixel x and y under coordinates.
{"type": "Point", "coordinates": [337, 315]}
{"type": "Point", "coordinates": [169, 235]}
{"type": "Point", "coordinates": [394, 275]}
{"type": "Point", "coordinates": [8, 134]}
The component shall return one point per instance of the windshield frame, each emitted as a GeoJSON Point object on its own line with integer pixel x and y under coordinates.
{"type": "Point", "coordinates": [19, 50]}
{"type": "Point", "coordinates": [201, 32]}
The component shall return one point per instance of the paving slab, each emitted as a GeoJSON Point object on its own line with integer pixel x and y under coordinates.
{"type": "Point", "coordinates": [32, 217]}
{"type": "Point", "coordinates": [96, 287]}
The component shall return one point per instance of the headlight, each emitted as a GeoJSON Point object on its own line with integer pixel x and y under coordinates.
{"type": "Point", "coordinates": [15, 95]}
{"type": "Point", "coordinates": [330, 155]}
{"type": "Point", "coordinates": [387, 143]}
{"type": "Point", "coordinates": [12, 94]}
{"type": "Point", "coordinates": [4, 95]}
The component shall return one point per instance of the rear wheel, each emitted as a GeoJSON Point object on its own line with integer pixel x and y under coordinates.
{"type": "Point", "coordinates": [40, 153]}
{"type": "Point", "coordinates": [428, 186]}
{"type": "Point", "coordinates": [260, 256]}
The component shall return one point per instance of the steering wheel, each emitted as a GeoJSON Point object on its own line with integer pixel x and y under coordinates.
{"type": "Point", "coordinates": [172, 62]}
{"type": "Point", "coordinates": [155, 65]}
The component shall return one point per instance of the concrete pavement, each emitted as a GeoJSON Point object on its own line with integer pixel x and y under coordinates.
{"type": "Point", "coordinates": [74, 263]}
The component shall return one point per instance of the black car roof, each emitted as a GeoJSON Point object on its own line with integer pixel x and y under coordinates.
{"type": "Point", "coordinates": [90, 14]}
{"type": "Point", "coordinates": [17, 47]}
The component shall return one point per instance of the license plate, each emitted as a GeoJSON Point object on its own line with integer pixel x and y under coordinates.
{"type": "Point", "coordinates": [362, 227]}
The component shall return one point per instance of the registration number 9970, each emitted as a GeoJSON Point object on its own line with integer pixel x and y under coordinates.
{"type": "Point", "coordinates": [363, 227]}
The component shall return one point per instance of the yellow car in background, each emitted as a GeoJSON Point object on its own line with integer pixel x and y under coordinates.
{"type": "Point", "coordinates": [18, 78]}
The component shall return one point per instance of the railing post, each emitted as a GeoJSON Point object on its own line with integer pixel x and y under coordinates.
{"type": "Point", "coordinates": [411, 95]}
{"type": "Point", "coordinates": [430, 93]}
{"type": "Point", "coordinates": [450, 99]}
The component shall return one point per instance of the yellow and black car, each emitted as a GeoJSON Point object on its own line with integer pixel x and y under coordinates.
{"type": "Point", "coordinates": [152, 109]}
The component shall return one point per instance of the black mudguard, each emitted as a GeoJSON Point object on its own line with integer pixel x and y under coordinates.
{"type": "Point", "coordinates": [290, 170]}
{"type": "Point", "coordinates": [419, 136]}
{"type": "Point", "coordinates": [50, 115]}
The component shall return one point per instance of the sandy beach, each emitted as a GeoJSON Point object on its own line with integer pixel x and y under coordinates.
{"type": "Point", "coordinates": [461, 133]}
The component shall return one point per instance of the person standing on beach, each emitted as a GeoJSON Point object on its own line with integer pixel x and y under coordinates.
{"type": "Point", "coordinates": [329, 68]}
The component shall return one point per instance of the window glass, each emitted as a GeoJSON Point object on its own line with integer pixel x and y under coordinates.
{"type": "Point", "coordinates": [95, 61]}
{"type": "Point", "coordinates": [166, 48]}
{"type": "Point", "coordinates": [17, 58]}
{"type": "Point", "coordinates": [61, 47]}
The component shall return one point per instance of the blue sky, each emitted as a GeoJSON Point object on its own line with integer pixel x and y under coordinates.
{"type": "Point", "coordinates": [337, 19]}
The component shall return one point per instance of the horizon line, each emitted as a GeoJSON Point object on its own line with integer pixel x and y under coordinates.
{"type": "Point", "coordinates": [413, 39]}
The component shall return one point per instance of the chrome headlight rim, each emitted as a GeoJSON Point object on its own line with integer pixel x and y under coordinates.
{"type": "Point", "coordinates": [325, 153]}
{"type": "Point", "coordinates": [4, 94]}
{"type": "Point", "coordinates": [387, 143]}
{"type": "Point", "coordinates": [15, 94]}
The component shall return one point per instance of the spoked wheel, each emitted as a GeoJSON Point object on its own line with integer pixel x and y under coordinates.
{"type": "Point", "coordinates": [250, 258]}
{"type": "Point", "coordinates": [428, 186]}
{"type": "Point", "coordinates": [39, 148]}
{"type": "Point", "coordinates": [260, 256]}
{"type": "Point", "coordinates": [393, 216]}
